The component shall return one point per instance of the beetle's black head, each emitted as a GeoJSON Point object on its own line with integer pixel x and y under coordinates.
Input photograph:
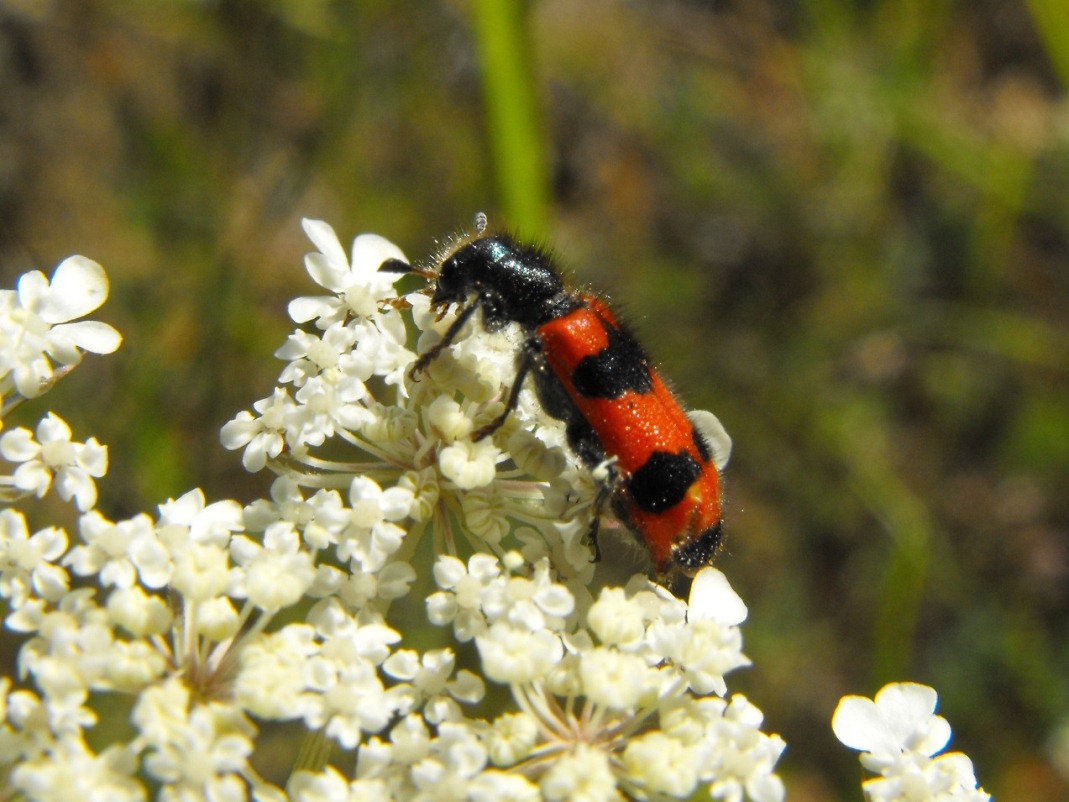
{"type": "Point", "coordinates": [519, 280]}
{"type": "Point", "coordinates": [512, 282]}
{"type": "Point", "coordinates": [460, 275]}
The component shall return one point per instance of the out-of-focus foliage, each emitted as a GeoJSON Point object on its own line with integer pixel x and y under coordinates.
{"type": "Point", "coordinates": [843, 226]}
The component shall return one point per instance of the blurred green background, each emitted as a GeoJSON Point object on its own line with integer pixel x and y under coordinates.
{"type": "Point", "coordinates": [843, 225]}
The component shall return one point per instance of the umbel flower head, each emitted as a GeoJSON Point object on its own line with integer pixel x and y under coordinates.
{"type": "Point", "coordinates": [899, 737]}
{"type": "Point", "coordinates": [39, 326]}
{"type": "Point", "coordinates": [216, 618]}
{"type": "Point", "coordinates": [601, 684]}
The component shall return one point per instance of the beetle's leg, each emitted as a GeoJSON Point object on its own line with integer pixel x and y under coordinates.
{"type": "Point", "coordinates": [527, 360]}
{"type": "Point", "coordinates": [447, 339]}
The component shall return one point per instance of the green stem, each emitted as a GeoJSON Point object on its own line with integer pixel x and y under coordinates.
{"type": "Point", "coordinates": [512, 118]}
{"type": "Point", "coordinates": [1052, 22]}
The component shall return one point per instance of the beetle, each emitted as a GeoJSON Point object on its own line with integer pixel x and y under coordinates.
{"type": "Point", "coordinates": [661, 464]}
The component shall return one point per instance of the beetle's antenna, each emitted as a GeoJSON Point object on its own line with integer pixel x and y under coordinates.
{"type": "Point", "coordinates": [396, 266]}
{"type": "Point", "coordinates": [400, 266]}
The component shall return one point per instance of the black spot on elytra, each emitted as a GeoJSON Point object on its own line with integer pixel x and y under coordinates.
{"type": "Point", "coordinates": [699, 552]}
{"type": "Point", "coordinates": [703, 447]}
{"type": "Point", "coordinates": [556, 402]}
{"type": "Point", "coordinates": [618, 367]}
{"type": "Point", "coordinates": [663, 480]}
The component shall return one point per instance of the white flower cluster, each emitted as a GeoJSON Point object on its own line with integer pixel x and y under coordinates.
{"type": "Point", "coordinates": [213, 618]}
{"type": "Point", "coordinates": [39, 343]}
{"type": "Point", "coordinates": [899, 736]}
{"type": "Point", "coordinates": [597, 683]}
{"type": "Point", "coordinates": [36, 332]}
{"type": "Point", "coordinates": [623, 699]}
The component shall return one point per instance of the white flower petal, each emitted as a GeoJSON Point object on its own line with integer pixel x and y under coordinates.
{"type": "Point", "coordinates": [715, 435]}
{"type": "Point", "coordinates": [325, 272]}
{"type": "Point", "coordinates": [33, 287]}
{"type": "Point", "coordinates": [909, 710]}
{"type": "Point", "coordinates": [323, 237]}
{"type": "Point", "coordinates": [371, 250]}
{"type": "Point", "coordinates": [89, 335]}
{"type": "Point", "coordinates": [18, 445]}
{"type": "Point", "coordinates": [309, 307]}
{"type": "Point", "coordinates": [403, 665]}
{"type": "Point", "coordinates": [76, 483]}
{"type": "Point", "coordinates": [33, 476]}
{"type": "Point", "coordinates": [79, 286]}
{"type": "Point", "coordinates": [857, 723]}
{"type": "Point", "coordinates": [52, 427]}
{"type": "Point", "coordinates": [712, 597]}
{"type": "Point", "coordinates": [93, 457]}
